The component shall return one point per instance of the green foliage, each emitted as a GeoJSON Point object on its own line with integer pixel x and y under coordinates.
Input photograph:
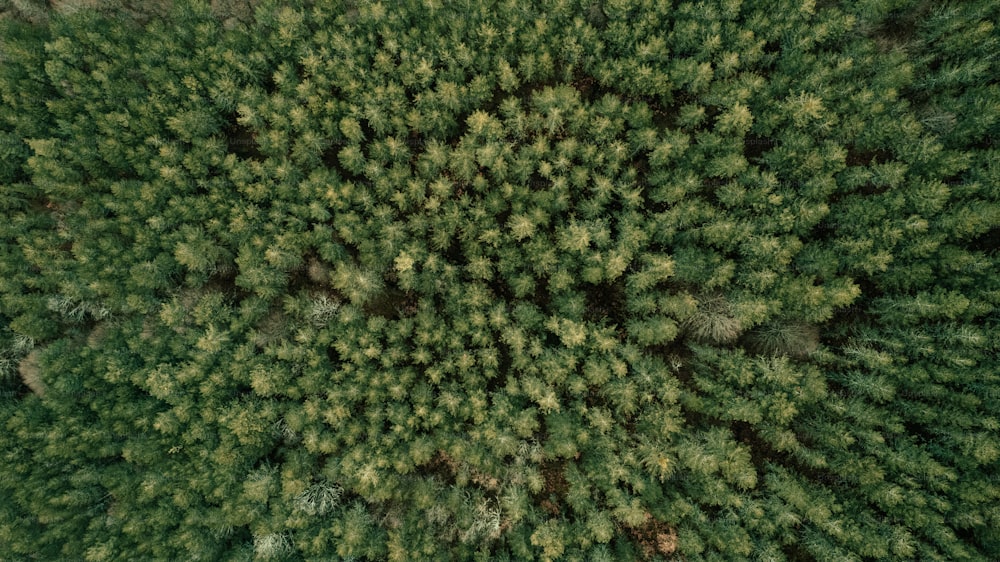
{"type": "Point", "coordinates": [555, 281]}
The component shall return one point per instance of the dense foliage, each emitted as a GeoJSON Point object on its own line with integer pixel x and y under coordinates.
{"type": "Point", "coordinates": [571, 279]}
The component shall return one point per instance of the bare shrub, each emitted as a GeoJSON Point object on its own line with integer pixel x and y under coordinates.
{"type": "Point", "coordinates": [795, 339]}
{"type": "Point", "coordinates": [98, 334]}
{"type": "Point", "coordinates": [322, 309]}
{"type": "Point", "coordinates": [318, 272]}
{"type": "Point", "coordinates": [714, 322]}
{"type": "Point", "coordinates": [654, 537]}
{"type": "Point", "coordinates": [31, 373]}
{"type": "Point", "coordinates": [271, 546]}
{"type": "Point", "coordinates": [271, 329]}
{"type": "Point", "coordinates": [487, 523]}
{"type": "Point", "coordinates": [319, 499]}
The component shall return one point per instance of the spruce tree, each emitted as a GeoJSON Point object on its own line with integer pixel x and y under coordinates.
{"type": "Point", "coordinates": [569, 280]}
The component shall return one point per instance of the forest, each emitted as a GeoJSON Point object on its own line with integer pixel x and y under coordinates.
{"type": "Point", "coordinates": [583, 280]}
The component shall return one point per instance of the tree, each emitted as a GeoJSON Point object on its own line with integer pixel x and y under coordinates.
{"type": "Point", "coordinates": [627, 281]}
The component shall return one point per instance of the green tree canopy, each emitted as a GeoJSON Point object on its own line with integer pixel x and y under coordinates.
{"type": "Point", "coordinates": [559, 280]}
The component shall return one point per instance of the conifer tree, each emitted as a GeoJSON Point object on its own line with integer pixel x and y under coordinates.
{"type": "Point", "coordinates": [564, 280]}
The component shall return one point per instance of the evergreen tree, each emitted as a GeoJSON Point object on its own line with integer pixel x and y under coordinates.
{"type": "Point", "coordinates": [564, 280]}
